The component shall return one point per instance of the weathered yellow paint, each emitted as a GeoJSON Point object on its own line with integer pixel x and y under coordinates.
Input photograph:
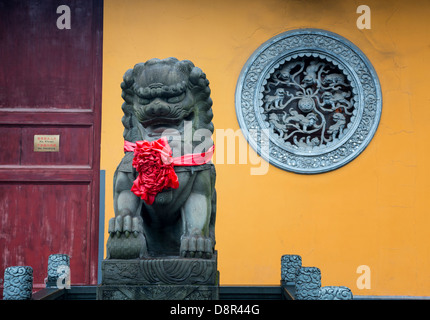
{"type": "Point", "coordinates": [373, 212]}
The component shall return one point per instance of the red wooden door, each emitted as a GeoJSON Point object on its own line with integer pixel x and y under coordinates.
{"type": "Point", "coordinates": [50, 88]}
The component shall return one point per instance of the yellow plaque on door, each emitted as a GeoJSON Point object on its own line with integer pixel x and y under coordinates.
{"type": "Point", "coordinates": [46, 142]}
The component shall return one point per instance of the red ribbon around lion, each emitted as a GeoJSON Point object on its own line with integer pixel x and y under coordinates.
{"type": "Point", "coordinates": [154, 162]}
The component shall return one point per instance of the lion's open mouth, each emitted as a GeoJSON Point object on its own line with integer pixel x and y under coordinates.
{"type": "Point", "coordinates": [157, 126]}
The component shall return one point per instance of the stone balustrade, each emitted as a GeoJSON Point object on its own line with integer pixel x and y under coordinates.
{"type": "Point", "coordinates": [304, 283]}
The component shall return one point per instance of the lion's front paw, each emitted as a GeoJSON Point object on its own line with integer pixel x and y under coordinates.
{"type": "Point", "coordinates": [126, 239]}
{"type": "Point", "coordinates": [196, 246]}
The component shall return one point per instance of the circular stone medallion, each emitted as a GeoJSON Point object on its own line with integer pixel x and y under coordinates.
{"type": "Point", "coordinates": [308, 101]}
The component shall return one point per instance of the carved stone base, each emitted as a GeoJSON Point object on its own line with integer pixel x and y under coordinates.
{"type": "Point", "coordinates": [162, 278]}
{"type": "Point", "coordinates": [158, 292]}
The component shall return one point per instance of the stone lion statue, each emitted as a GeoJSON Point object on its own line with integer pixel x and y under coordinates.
{"type": "Point", "coordinates": [167, 104]}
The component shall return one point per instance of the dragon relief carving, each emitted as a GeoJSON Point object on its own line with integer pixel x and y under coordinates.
{"type": "Point", "coordinates": [162, 96]}
{"type": "Point", "coordinates": [313, 96]}
{"type": "Point", "coordinates": [308, 102]}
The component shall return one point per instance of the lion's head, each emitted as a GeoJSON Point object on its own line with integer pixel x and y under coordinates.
{"type": "Point", "coordinates": [163, 95]}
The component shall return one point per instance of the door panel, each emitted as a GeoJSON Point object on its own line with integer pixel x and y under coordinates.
{"type": "Point", "coordinates": [52, 219]}
{"type": "Point", "coordinates": [75, 147]}
{"type": "Point", "coordinates": [50, 85]}
{"type": "Point", "coordinates": [43, 66]}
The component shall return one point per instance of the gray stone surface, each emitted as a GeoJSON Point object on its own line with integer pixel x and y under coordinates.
{"type": "Point", "coordinates": [58, 265]}
{"type": "Point", "coordinates": [161, 243]}
{"type": "Point", "coordinates": [335, 293]}
{"type": "Point", "coordinates": [158, 292]}
{"type": "Point", "coordinates": [162, 278]}
{"type": "Point", "coordinates": [161, 97]}
{"type": "Point", "coordinates": [308, 283]}
{"type": "Point", "coordinates": [308, 101]}
{"type": "Point", "coordinates": [290, 264]}
{"type": "Point", "coordinates": [160, 271]}
{"type": "Point", "coordinates": [18, 283]}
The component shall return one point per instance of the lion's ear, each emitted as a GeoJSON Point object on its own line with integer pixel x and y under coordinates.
{"type": "Point", "coordinates": [185, 66]}
{"type": "Point", "coordinates": [126, 85]}
{"type": "Point", "coordinates": [128, 79]}
{"type": "Point", "coordinates": [198, 77]}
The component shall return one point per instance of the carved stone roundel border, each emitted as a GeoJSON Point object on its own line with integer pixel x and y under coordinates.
{"type": "Point", "coordinates": [308, 101]}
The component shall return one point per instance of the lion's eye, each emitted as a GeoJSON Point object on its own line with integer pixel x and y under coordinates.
{"type": "Point", "coordinates": [176, 98]}
{"type": "Point", "coordinates": [143, 101]}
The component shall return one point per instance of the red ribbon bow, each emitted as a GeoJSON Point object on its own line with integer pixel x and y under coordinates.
{"type": "Point", "coordinates": [154, 162]}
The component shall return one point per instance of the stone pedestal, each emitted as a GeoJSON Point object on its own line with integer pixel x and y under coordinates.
{"type": "Point", "coordinates": [164, 278]}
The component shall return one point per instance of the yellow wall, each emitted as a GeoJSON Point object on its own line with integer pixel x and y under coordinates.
{"type": "Point", "coordinates": [374, 211]}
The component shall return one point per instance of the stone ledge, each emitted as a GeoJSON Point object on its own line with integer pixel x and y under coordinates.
{"type": "Point", "coordinates": [160, 271]}
{"type": "Point", "coordinates": [157, 292]}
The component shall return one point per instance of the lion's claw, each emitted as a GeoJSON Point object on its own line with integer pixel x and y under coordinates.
{"type": "Point", "coordinates": [125, 225]}
{"type": "Point", "coordinates": [196, 246]}
{"type": "Point", "coordinates": [120, 245]}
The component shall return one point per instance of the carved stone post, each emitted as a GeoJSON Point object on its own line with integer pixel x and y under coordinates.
{"type": "Point", "coordinates": [308, 283]}
{"type": "Point", "coordinates": [18, 283]}
{"type": "Point", "coordinates": [335, 293]}
{"type": "Point", "coordinates": [58, 267]}
{"type": "Point", "coordinates": [290, 264]}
